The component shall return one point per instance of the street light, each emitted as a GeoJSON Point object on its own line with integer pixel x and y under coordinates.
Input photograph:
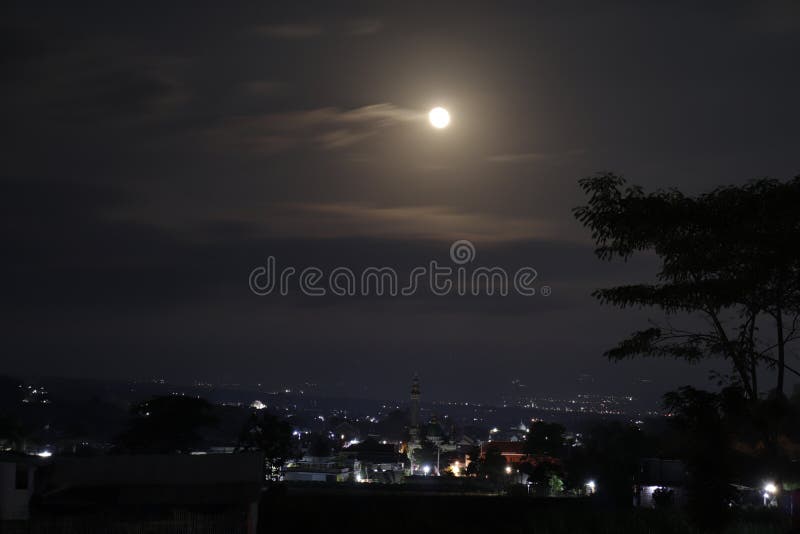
{"type": "Point", "coordinates": [508, 469]}
{"type": "Point", "coordinates": [426, 469]}
{"type": "Point", "coordinates": [770, 490]}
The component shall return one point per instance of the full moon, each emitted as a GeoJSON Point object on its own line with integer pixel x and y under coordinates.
{"type": "Point", "coordinates": [439, 117]}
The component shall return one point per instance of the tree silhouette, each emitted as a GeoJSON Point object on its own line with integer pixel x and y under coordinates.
{"type": "Point", "coordinates": [166, 424]}
{"type": "Point", "coordinates": [12, 434]}
{"type": "Point", "coordinates": [610, 456]}
{"type": "Point", "coordinates": [729, 256]}
{"type": "Point", "coordinates": [321, 445]}
{"type": "Point", "coordinates": [426, 454]}
{"type": "Point", "coordinates": [493, 465]}
{"type": "Point", "coordinates": [545, 439]}
{"type": "Point", "coordinates": [546, 476]}
{"type": "Point", "coordinates": [704, 420]}
{"type": "Point", "coordinates": [272, 436]}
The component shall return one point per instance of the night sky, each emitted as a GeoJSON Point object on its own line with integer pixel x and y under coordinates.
{"type": "Point", "coordinates": [153, 156]}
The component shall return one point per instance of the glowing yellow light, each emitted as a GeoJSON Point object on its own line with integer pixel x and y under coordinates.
{"type": "Point", "coordinates": [439, 117]}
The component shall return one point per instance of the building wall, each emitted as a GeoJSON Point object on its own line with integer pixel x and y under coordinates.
{"type": "Point", "coordinates": [645, 495]}
{"type": "Point", "coordinates": [14, 500]}
{"type": "Point", "coordinates": [305, 476]}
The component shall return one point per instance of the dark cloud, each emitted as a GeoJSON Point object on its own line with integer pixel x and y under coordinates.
{"type": "Point", "coordinates": [356, 26]}
{"type": "Point", "coordinates": [290, 31]}
{"type": "Point", "coordinates": [364, 26]}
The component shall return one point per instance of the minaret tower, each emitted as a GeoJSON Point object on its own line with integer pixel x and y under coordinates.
{"type": "Point", "coordinates": [413, 429]}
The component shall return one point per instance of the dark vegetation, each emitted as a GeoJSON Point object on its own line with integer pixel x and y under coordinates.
{"type": "Point", "coordinates": [338, 511]}
{"type": "Point", "coordinates": [728, 288]}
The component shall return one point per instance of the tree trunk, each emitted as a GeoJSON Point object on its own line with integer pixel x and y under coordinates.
{"type": "Point", "coordinates": [737, 356]}
{"type": "Point", "coordinates": [781, 353]}
{"type": "Point", "coordinates": [753, 359]}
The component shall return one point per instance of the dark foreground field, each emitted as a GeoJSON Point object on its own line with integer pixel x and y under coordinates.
{"type": "Point", "coordinates": [356, 513]}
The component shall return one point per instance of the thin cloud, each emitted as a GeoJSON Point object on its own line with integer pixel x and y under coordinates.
{"type": "Point", "coordinates": [342, 138]}
{"type": "Point", "coordinates": [522, 157]}
{"type": "Point", "coordinates": [359, 26]}
{"type": "Point", "coordinates": [328, 128]}
{"type": "Point", "coordinates": [363, 26]}
{"type": "Point", "coordinates": [260, 88]}
{"type": "Point", "coordinates": [332, 220]}
{"type": "Point", "coordinates": [290, 31]}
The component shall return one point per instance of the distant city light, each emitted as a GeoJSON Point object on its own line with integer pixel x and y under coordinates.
{"type": "Point", "coordinates": [258, 405]}
{"type": "Point", "coordinates": [44, 454]}
{"type": "Point", "coordinates": [508, 469]}
{"type": "Point", "coordinates": [591, 486]}
{"type": "Point", "coordinates": [770, 487]}
{"type": "Point", "coordinates": [426, 469]}
{"type": "Point", "coordinates": [495, 430]}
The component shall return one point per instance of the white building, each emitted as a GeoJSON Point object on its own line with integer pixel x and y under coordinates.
{"type": "Point", "coordinates": [321, 469]}
{"type": "Point", "coordinates": [16, 486]}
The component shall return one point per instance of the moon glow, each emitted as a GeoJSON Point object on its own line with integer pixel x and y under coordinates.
{"type": "Point", "coordinates": [439, 117]}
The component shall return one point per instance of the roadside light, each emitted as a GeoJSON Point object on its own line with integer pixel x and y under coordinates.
{"type": "Point", "coordinates": [508, 469]}
{"type": "Point", "coordinates": [591, 486]}
{"type": "Point", "coordinates": [770, 487]}
{"type": "Point", "coordinates": [426, 469]}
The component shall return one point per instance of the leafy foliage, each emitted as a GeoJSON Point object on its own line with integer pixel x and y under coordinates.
{"type": "Point", "coordinates": [728, 256]}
